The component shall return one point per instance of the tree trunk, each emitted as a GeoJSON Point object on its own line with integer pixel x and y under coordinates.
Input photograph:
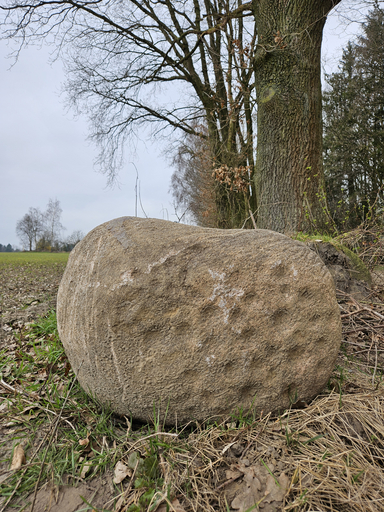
{"type": "Point", "coordinates": [289, 175]}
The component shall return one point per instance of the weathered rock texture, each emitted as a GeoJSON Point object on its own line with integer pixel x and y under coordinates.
{"type": "Point", "coordinates": [202, 321]}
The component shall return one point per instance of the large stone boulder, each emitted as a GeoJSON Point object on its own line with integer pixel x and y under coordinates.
{"type": "Point", "coordinates": [197, 322]}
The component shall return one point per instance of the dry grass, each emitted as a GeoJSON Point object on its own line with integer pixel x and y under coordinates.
{"type": "Point", "coordinates": [367, 241]}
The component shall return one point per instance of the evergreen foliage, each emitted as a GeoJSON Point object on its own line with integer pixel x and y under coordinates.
{"type": "Point", "coordinates": [6, 248]}
{"type": "Point", "coordinates": [354, 128]}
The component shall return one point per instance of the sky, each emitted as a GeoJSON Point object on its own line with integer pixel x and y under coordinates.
{"type": "Point", "coordinates": [44, 151]}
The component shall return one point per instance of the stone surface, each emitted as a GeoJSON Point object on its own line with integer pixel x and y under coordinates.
{"type": "Point", "coordinates": [197, 321]}
{"type": "Point", "coordinates": [349, 273]}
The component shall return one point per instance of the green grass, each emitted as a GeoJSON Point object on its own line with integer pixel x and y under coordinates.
{"type": "Point", "coordinates": [50, 404]}
{"type": "Point", "coordinates": [68, 429]}
{"type": "Point", "coordinates": [41, 258]}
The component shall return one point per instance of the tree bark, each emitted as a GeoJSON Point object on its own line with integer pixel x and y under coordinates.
{"type": "Point", "coordinates": [289, 175]}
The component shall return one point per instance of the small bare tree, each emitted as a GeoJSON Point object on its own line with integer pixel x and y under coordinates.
{"type": "Point", "coordinates": [192, 185]}
{"type": "Point", "coordinates": [72, 240]}
{"type": "Point", "coordinates": [30, 227]}
{"type": "Point", "coordinates": [53, 226]}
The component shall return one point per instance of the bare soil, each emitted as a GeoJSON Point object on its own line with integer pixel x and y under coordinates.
{"type": "Point", "coordinates": [26, 292]}
{"type": "Point", "coordinates": [73, 496]}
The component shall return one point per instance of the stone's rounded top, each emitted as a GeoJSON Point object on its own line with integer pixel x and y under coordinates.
{"type": "Point", "coordinates": [196, 321]}
{"type": "Point", "coordinates": [118, 228]}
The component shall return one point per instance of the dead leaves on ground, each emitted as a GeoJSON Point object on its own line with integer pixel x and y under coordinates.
{"type": "Point", "coordinates": [259, 486]}
{"type": "Point", "coordinates": [121, 472]}
{"type": "Point", "coordinates": [173, 506]}
{"type": "Point", "coordinates": [18, 458]}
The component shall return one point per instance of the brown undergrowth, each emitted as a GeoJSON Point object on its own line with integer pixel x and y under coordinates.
{"type": "Point", "coordinates": [324, 456]}
{"type": "Point", "coordinates": [367, 241]}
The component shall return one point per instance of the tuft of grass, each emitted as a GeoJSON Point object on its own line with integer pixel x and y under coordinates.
{"type": "Point", "coordinates": [242, 417]}
{"type": "Point", "coordinates": [46, 328]}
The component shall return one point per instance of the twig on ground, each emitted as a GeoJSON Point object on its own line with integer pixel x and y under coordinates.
{"type": "Point", "coordinates": [352, 313]}
{"type": "Point", "coordinates": [375, 313]}
{"type": "Point", "coordinates": [148, 437]}
{"type": "Point", "coordinates": [33, 403]}
{"type": "Point", "coordinates": [365, 328]}
{"type": "Point", "coordinates": [374, 371]}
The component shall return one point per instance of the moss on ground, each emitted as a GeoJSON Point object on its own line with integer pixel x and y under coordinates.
{"type": "Point", "coordinates": [361, 271]}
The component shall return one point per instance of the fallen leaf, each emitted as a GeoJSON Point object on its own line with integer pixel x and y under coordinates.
{"type": "Point", "coordinates": [260, 487]}
{"type": "Point", "coordinates": [233, 475]}
{"type": "Point", "coordinates": [18, 458]}
{"type": "Point", "coordinates": [67, 368]}
{"type": "Point", "coordinates": [227, 448]}
{"type": "Point", "coordinates": [251, 493]}
{"type": "Point", "coordinates": [174, 506]}
{"type": "Point", "coordinates": [121, 472]}
{"type": "Point", "coordinates": [84, 470]}
{"type": "Point", "coordinates": [135, 459]}
{"type": "Point", "coordinates": [276, 493]}
{"type": "Point", "coordinates": [84, 442]}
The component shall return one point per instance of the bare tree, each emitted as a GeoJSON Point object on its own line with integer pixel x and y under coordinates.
{"type": "Point", "coordinates": [30, 227]}
{"type": "Point", "coordinates": [121, 54]}
{"type": "Point", "coordinates": [53, 226]}
{"type": "Point", "coordinates": [74, 239]}
{"type": "Point", "coordinates": [192, 186]}
{"type": "Point", "coordinates": [120, 57]}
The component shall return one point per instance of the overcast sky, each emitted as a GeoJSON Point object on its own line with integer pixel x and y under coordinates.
{"type": "Point", "coordinates": [44, 152]}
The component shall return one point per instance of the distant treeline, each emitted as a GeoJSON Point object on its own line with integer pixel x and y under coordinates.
{"type": "Point", "coordinates": [8, 248]}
